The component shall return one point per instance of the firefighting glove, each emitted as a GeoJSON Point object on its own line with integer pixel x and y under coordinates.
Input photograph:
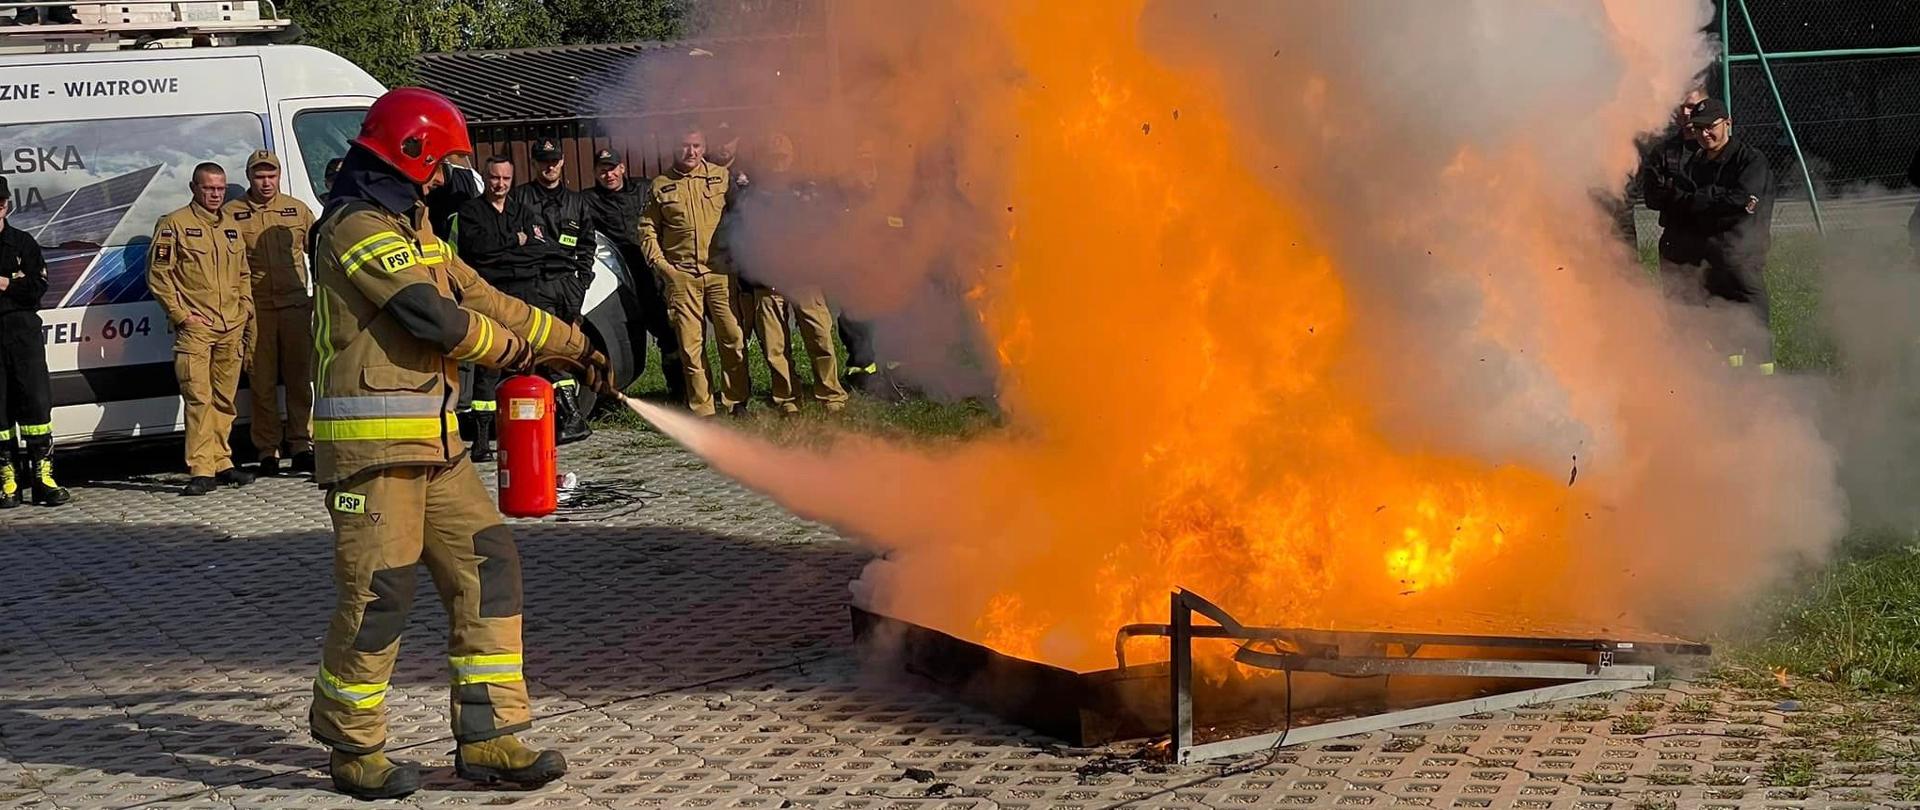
{"type": "Point", "coordinates": [592, 368]}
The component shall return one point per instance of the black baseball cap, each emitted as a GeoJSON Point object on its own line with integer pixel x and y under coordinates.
{"type": "Point", "coordinates": [546, 149]}
{"type": "Point", "coordinates": [607, 157]}
{"type": "Point", "coordinates": [1709, 112]}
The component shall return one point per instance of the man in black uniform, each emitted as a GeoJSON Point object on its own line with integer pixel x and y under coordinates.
{"type": "Point", "coordinates": [1716, 212]}
{"type": "Point", "coordinates": [560, 215]}
{"type": "Point", "coordinates": [617, 203]}
{"type": "Point", "coordinates": [501, 242]}
{"type": "Point", "coordinates": [26, 400]}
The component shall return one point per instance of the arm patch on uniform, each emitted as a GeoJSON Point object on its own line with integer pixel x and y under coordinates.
{"type": "Point", "coordinates": [163, 252]}
{"type": "Point", "coordinates": [397, 260]}
{"type": "Point", "coordinates": [243, 215]}
{"type": "Point", "coordinates": [191, 232]}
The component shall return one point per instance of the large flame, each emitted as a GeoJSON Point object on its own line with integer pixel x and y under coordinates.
{"type": "Point", "coordinates": [1209, 385]}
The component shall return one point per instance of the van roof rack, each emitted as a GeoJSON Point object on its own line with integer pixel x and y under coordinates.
{"type": "Point", "coordinates": [130, 24]}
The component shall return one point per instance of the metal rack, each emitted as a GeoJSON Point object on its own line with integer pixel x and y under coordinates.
{"type": "Point", "coordinates": [1567, 667]}
{"type": "Point", "coordinates": [132, 24]}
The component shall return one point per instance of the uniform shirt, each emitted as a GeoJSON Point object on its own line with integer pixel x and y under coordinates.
{"type": "Point", "coordinates": [1704, 207]}
{"type": "Point", "coordinates": [617, 213]}
{"type": "Point", "coordinates": [562, 216]}
{"type": "Point", "coordinates": [197, 265]}
{"type": "Point", "coordinates": [1663, 161]}
{"type": "Point", "coordinates": [500, 244]}
{"type": "Point", "coordinates": [681, 217]}
{"type": "Point", "coordinates": [25, 270]}
{"type": "Point", "coordinates": [276, 236]}
{"type": "Point", "coordinates": [774, 224]}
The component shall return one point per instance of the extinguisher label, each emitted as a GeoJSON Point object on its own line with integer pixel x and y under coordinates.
{"type": "Point", "coordinates": [525, 408]}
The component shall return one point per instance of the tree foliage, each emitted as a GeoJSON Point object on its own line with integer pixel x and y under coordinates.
{"type": "Point", "coordinates": [386, 37]}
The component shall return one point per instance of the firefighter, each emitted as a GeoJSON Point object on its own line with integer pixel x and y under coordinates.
{"type": "Point", "coordinates": [677, 234]}
{"type": "Point", "coordinates": [617, 202]}
{"type": "Point", "coordinates": [561, 215]}
{"type": "Point", "coordinates": [397, 311]}
{"type": "Point", "coordinates": [26, 399]}
{"type": "Point", "coordinates": [496, 238]}
{"type": "Point", "coordinates": [197, 270]}
{"type": "Point", "coordinates": [794, 205]}
{"type": "Point", "coordinates": [275, 227]}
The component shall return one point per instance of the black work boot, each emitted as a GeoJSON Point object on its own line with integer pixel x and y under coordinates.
{"type": "Point", "coordinates": [269, 467]}
{"type": "Point", "coordinates": [303, 462]}
{"type": "Point", "coordinates": [482, 437]}
{"type": "Point", "coordinates": [234, 476]}
{"type": "Point", "coordinates": [506, 759]}
{"type": "Point", "coordinates": [200, 485]}
{"type": "Point", "coordinates": [570, 422]}
{"type": "Point", "coordinates": [47, 492]}
{"type": "Point", "coordinates": [371, 776]}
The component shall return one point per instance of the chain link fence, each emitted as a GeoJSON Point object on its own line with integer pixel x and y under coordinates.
{"type": "Point", "coordinates": [1847, 73]}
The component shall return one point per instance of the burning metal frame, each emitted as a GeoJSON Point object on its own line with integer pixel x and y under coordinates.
{"type": "Point", "coordinates": [1450, 675]}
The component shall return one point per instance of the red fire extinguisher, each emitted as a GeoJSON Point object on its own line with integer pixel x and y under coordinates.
{"type": "Point", "coordinates": [529, 460]}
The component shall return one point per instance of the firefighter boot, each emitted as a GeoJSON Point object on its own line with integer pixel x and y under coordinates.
{"type": "Point", "coordinates": [571, 421]}
{"type": "Point", "coordinates": [372, 776]}
{"type": "Point", "coordinates": [45, 491]}
{"type": "Point", "coordinates": [9, 485]}
{"type": "Point", "coordinates": [506, 759]}
{"type": "Point", "coordinates": [482, 437]}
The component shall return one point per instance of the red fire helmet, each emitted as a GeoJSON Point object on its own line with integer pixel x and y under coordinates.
{"type": "Point", "coordinates": [413, 129]}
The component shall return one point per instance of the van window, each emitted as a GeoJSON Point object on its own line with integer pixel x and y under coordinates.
{"type": "Point", "coordinates": [90, 192]}
{"type": "Point", "coordinates": [322, 135]}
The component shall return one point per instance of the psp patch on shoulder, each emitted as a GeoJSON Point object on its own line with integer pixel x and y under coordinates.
{"type": "Point", "coordinates": [349, 503]}
{"type": "Point", "coordinates": [397, 261]}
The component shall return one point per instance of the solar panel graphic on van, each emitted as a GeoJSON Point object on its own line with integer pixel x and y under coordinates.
{"type": "Point", "coordinates": [72, 229]}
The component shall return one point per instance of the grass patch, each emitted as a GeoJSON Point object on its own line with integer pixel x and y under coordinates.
{"type": "Point", "coordinates": [1589, 712]}
{"type": "Point", "coordinates": [1633, 723]}
{"type": "Point", "coordinates": [1791, 770]}
{"type": "Point", "coordinates": [1855, 624]}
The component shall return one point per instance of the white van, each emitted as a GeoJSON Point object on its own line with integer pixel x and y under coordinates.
{"type": "Point", "coordinates": [98, 144]}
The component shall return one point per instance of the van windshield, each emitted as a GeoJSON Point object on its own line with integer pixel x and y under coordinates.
{"type": "Point", "coordinates": [90, 192]}
{"type": "Point", "coordinates": [322, 135]}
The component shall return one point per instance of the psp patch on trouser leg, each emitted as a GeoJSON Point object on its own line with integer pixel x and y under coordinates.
{"type": "Point", "coordinates": [378, 528]}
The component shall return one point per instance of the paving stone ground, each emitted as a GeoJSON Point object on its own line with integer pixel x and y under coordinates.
{"type": "Point", "coordinates": [692, 650]}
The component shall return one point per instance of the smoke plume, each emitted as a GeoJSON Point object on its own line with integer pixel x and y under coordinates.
{"type": "Point", "coordinates": [1307, 307]}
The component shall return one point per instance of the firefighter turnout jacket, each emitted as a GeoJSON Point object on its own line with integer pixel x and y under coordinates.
{"type": "Point", "coordinates": [398, 312]}
{"type": "Point", "coordinates": [681, 218]}
{"type": "Point", "coordinates": [197, 265]}
{"type": "Point", "coordinates": [276, 238]}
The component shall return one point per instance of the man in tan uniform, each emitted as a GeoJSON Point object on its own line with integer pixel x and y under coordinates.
{"type": "Point", "coordinates": [274, 226]}
{"type": "Point", "coordinates": [677, 236]}
{"type": "Point", "coordinates": [197, 270]}
{"type": "Point", "coordinates": [396, 313]}
{"type": "Point", "coordinates": [786, 204]}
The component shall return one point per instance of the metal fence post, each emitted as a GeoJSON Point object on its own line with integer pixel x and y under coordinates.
{"type": "Point", "coordinates": [1786, 121]}
{"type": "Point", "coordinates": [1726, 54]}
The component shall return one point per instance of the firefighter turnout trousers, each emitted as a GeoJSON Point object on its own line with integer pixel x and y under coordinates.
{"type": "Point", "coordinates": [773, 315]}
{"type": "Point", "coordinates": [283, 355]}
{"type": "Point", "coordinates": [693, 300]}
{"type": "Point", "coordinates": [386, 521]}
{"type": "Point", "coordinates": [206, 360]}
{"type": "Point", "coordinates": [26, 399]}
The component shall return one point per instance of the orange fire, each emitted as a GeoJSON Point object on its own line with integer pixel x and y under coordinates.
{"type": "Point", "coordinates": [1196, 391]}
